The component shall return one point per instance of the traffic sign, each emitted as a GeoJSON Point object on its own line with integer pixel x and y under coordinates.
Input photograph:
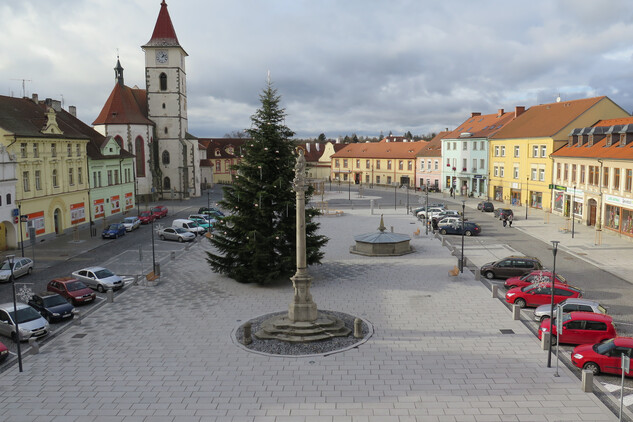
{"type": "Point", "coordinates": [24, 218]}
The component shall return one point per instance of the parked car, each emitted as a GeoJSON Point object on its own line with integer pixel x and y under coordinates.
{"type": "Point", "coordinates": [503, 212]}
{"type": "Point", "coordinates": [431, 212]}
{"type": "Point", "coordinates": [541, 294]}
{"type": "Point", "coordinates": [30, 322]}
{"type": "Point", "coordinates": [448, 220]}
{"type": "Point", "coordinates": [217, 215]}
{"type": "Point", "coordinates": [202, 210]}
{"type": "Point", "coordinates": [570, 305]}
{"type": "Point", "coordinates": [113, 231]}
{"type": "Point", "coordinates": [131, 223]}
{"type": "Point", "coordinates": [202, 221]}
{"type": "Point", "coordinates": [21, 266]}
{"type": "Point", "coordinates": [604, 357]}
{"type": "Point", "coordinates": [469, 228]}
{"type": "Point", "coordinates": [189, 225]}
{"type": "Point", "coordinates": [533, 277]}
{"type": "Point", "coordinates": [486, 206]}
{"type": "Point", "coordinates": [146, 217]}
{"type": "Point", "coordinates": [415, 211]}
{"type": "Point", "coordinates": [72, 289]}
{"type": "Point", "coordinates": [52, 306]}
{"type": "Point", "coordinates": [159, 211]}
{"type": "Point", "coordinates": [4, 352]}
{"type": "Point", "coordinates": [99, 278]}
{"type": "Point", "coordinates": [580, 328]}
{"type": "Point", "coordinates": [176, 233]}
{"type": "Point", "coordinates": [510, 266]}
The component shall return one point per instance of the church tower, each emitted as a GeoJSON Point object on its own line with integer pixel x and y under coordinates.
{"type": "Point", "coordinates": [178, 157]}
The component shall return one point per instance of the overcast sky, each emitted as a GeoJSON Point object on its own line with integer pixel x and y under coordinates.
{"type": "Point", "coordinates": [340, 66]}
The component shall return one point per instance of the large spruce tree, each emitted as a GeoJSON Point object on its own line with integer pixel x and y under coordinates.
{"type": "Point", "coordinates": [256, 242]}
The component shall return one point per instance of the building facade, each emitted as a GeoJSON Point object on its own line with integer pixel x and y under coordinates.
{"type": "Point", "coordinates": [222, 154]}
{"type": "Point", "coordinates": [428, 169]}
{"type": "Point", "coordinates": [8, 219]}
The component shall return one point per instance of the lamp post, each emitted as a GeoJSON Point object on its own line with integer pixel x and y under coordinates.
{"type": "Point", "coordinates": [11, 260]}
{"type": "Point", "coordinates": [527, 195]}
{"type": "Point", "coordinates": [407, 196]}
{"type": "Point", "coordinates": [427, 207]}
{"type": "Point", "coordinates": [395, 195]}
{"type": "Point", "coordinates": [20, 223]}
{"type": "Point", "coordinates": [573, 212]}
{"type": "Point", "coordinates": [551, 313]}
{"type": "Point", "coordinates": [208, 199]}
{"type": "Point", "coordinates": [461, 262]}
{"type": "Point", "coordinates": [153, 250]}
{"type": "Point", "coordinates": [349, 186]}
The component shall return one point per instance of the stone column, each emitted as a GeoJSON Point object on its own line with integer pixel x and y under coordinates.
{"type": "Point", "coordinates": [302, 308]}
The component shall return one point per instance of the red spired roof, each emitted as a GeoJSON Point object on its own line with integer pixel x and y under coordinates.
{"type": "Point", "coordinates": [122, 107]}
{"type": "Point", "coordinates": [164, 33]}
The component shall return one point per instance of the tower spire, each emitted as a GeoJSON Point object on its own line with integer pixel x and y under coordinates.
{"type": "Point", "coordinates": [118, 71]}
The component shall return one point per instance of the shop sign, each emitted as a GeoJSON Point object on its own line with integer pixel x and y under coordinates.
{"type": "Point", "coordinates": [558, 187]}
{"type": "Point", "coordinates": [478, 176]}
{"type": "Point", "coordinates": [618, 200]}
{"type": "Point", "coordinates": [77, 213]}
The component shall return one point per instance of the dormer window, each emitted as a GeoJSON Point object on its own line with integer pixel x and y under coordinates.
{"type": "Point", "coordinates": [217, 152]}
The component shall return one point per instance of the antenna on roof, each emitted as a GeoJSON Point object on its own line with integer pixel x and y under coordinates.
{"type": "Point", "coordinates": [23, 85]}
{"type": "Point", "coordinates": [558, 98]}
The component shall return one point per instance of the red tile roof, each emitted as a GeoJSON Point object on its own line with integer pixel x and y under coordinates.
{"type": "Point", "coordinates": [164, 33]}
{"type": "Point", "coordinates": [600, 149]}
{"type": "Point", "coordinates": [433, 148]}
{"type": "Point", "coordinates": [482, 126]}
{"type": "Point", "coordinates": [221, 145]}
{"type": "Point", "coordinates": [546, 120]}
{"type": "Point", "coordinates": [123, 107]}
{"type": "Point", "coordinates": [381, 150]}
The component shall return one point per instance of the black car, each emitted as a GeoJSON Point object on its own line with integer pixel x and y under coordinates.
{"type": "Point", "coordinates": [501, 212]}
{"type": "Point", "coordinates": [52, 306]}
{"type": "Point", "coordinates": [470, 229]}
{"type": "Point", "coordinates": [485, 206]}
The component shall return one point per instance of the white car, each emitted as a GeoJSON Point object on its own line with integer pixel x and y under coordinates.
{"type": "Point", "coordinates": [450, 220]}
{"type": "Point", "coordinates": [99, 278]}
{"type": "Point", "coordinates": [131, 223]}
{"type": "Point", "coordinates": [432, 212]}
{"type": "Point", "coordinates": [21, 266]}
{"type": "Point", "coordinates": [30, 321]}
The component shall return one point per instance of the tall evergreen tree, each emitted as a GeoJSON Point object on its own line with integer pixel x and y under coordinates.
{"type": "Point", "coordinates": [256, 243]}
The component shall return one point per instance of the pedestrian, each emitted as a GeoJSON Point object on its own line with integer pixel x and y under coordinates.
{"type": "Point", "coordinates": [510, 220]}
{"type": "Point", "coordinates": [450, 192]}
{"type": "Point", "coordinates": [505, 220]}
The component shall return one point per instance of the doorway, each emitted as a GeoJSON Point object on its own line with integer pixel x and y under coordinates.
{"type": "Point", "coordinates": [593, 208]}
{"type": "Point", "coordinates": [57, 220]}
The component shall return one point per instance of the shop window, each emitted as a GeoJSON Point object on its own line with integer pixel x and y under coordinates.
{"type": "Point", "coordinates": [627, 221]}
{"type": "Point", "coordinates": [613, 217]}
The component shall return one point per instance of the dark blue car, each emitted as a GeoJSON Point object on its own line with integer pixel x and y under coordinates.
{"type": "Point", "coordinates": [113, 231]}
{"type": "Point", "coordinates": [52, 306]}
{"type": "Point", "coordinates": [470, 229]}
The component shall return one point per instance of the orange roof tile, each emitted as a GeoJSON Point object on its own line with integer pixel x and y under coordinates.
{"type": "Point", "coordinates": [546, 120]}
{"type": "Point", "coordinates": [164, 33]}
{"type": "Point", "coordinates": [482, 126]}
{"type": "Point", "coordinates": [122, 107]}
{"type": "Point", "coordinates": [614, 122]}
{"type": "Point", "coordinates": [433, 148]}
{"type": "Point", "coordinates": [600, 149]}
{"type": "Point", "coordinates": [381, 150]}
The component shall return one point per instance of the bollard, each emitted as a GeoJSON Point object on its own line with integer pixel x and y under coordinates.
{"type": "Point", "coordinates": [516, 312]}
{"type": "Point", "coordinates": [391, 229]}
{"type": "Point", "coordinates": [587, 381]}
{"type": "Point", "coordinates": [110, 295]}
{"type": "Point", "coordinates": [495, 289]}
{"type": "Point", "coordinates": [35, 348]}
{"type": "Point", "coordinates": [173, 255]}
{"type": "Point", "coordinates": [247, 333]}
{"type": "Point", "coordinates": [77, 317]}
{"type": "Point", "coordinates": [358, 328]}
{"type": "Point", "coordinates": [545, 336]}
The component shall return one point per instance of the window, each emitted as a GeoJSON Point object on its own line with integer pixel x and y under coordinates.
{"type": "Point", "coordinates": [80, 178]}
{"type": "Point", "coordinates": [483, 147]}
{"type": "Point", "coordinates": [410, 164]}
{"type": "Point", "coordinates": [501, 172]}
{"type": "Point", "coordinates": [516, 151]}
{"type": "Point", "coordinates": [78, 150]}
{"type": "Point", "coordinates": [218, 166]}
{"type": "Point", "coordinates": [534, 151]}
{"type": "Point", "coordinates": [616, 179]}
{"type": "Point", "coordinates": [345, 163]}
{"type": "Point", "coordinates": [139, 151]}
{"type": "Point", "coordinates": [628, 181]}
{"type": "Point", "coordinates": [99, 176]}
{"type": "Point", "coordinates": [25, 181]}
{"type": "Point", "coordinates": [566, 172]}
{"type": "Point", "coordinates": [543, 151]}
{"type": "Point", "coordinates": [496, 150]}
{"type": "Point", "coordinates": [448, 146]}
{"type": "Point", "coordinates": [464, 146]}
{"type": "Point", "coordinates": [116, 177]}
{"type": "Point", "coordinates": [464, 163]}
{"type": "Point", "coordinates": [71, 179]}
{"type": "Point", "coordinates": [163, 84]}
{"type": "Point", "coordinates": [581, 177]}
{"type": "Point", "coordinates": [8, 199]}
{"type": "Point", "coordinates": [573, 173]}
{"type": "Point", "coordinates": [36, 152]}
{"type": "Point", "coordinates": [357, 164]}
{"type": "Point", "coordinates": [367, 164]}
{"type": "Point", "coordinates": [166, 183]}
{"type": "Point", "coordinates": [69, 150]}
{"type": "Point", "coordinates": [53, 150]}
{"type": "Point", "coordinates": [437, 163]}
{"type": "Point", "coordinates": [165, 157]}
{"type": "Point", "coordinates": [455, 146]}
{"type": "Point", "coordinates": [474, 146]}
{"type": "Point", "coordinates": [503, 150]}
{"type": "Point", "coordinates": [474, 163]}
{"type": "Point", "coordinates": [337, 163]}
{"type": "Point", "coordinates": [516, 172]}
{"type": "Point", "coordinates": [388, 164]}
{"type": "Point", "coordinates": [388, 180]}
{"type": "Point", "coordinates": [400, 165]}
{"type": "Point", "coordinates": [496, 173]}
{"type": "Point", "coordinates": [55, 184]}
{"type": "Point", "coordinates": [165, 130]}
{"type": "Point", "coordinates": [378, 179]}
{"type": "Point", "coordinates": [558, 167]}
{"type": "Point", "coordinates": [448, 162]}
{"type": "Point", "coordinates": [23, 150]}
{"type": "Point", "coordinates": [482, 163]}
{"type": "Point", "coordinates": [109, 177]}
{"type": "Point", "coordinates": [533, 174]}
{"type": "Point", "coordinates": [94, 180]}
{"type": "Point", "coordinates": [38, 180]}
{"type": "Point", "coordinates": [605, 177]}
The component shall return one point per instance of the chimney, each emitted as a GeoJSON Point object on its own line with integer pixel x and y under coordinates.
{"type": "Point", "coordinates": [55, 104]}
{"type": "Point", "coordinates": [72, 110]}
{"type": "Point", "coordinates": [34, 97]}
{"type": "Point", "coordinates": [307, 146]}
{"type": "Point", "coordinates": [518, 110]}
{"type": "Point", "coordinates": [500, 112]}
{"type": "Point", "coordinates": [475, 114]}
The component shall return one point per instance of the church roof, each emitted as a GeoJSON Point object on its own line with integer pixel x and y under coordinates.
{"type": "Point", "coordinates": [124, 106]}
{"type": "Point", "coordinates": [164, 33]}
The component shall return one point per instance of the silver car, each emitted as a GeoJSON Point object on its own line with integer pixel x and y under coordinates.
{"type": "Point", "coordinates": [131, 223]}
{"type": "Point", "coordinates": [21, 266]}
{"type": "Point", "coordinates": [570, 305]}
{"type": "Point", "coordinates": [30, 322]}
{"type": "Point", "coordinates": [99, 278]}
{"type": "Point", "coordinates": [176, 233]}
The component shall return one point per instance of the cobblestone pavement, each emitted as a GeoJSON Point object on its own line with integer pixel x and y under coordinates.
{"type": "Point", "coordinates": [166, 352]}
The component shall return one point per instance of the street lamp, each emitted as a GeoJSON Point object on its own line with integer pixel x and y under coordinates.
{"type": "Point", "coordinates": [11, 260]}
{"type": "Point", "coordinates": [395, 195]}
{"type": "Point", "coordinates": [527, 195]}
{"type": "Point", "coordinates": [426, 212]}
{"type": "Point", "coordinates": [573, 205]}
{"type": "Point", "coordinates": [349, 186]}
{"type": "Point", "coordinates": [20, 223]}
{"type": "Point", "coordinates": [153, 251]}
{"type": "Point", "coordinates": [551, 311]}
{"type": "Point", "coordinates": [208, 198]}
{"type": "Point", "coordinates": [461, 263]}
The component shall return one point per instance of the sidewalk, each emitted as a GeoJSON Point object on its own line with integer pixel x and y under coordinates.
{"type": "Point", "coordinates": [442, 350]}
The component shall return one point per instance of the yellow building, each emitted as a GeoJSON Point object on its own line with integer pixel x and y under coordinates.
{"type": "Point", "coordinates": [379, 163]}
{"type": "Point", "coordinates": [52, 173]}
{"type": "Point", "coordinates": [519, 162]}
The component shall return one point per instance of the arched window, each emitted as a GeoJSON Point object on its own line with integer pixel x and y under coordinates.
{"type": "Point", "coordinates": [166, 183]}
{"type": "Point", "coordinates": [163, 82]}
{"type": "Point", "coordinates": [8, 198]}
{"type": "Point", "coordinates": [165, 157]}
{"type": "Point", "coordinates": [139, 150]}
{"type": "Point", "coordinates": [119, 141]}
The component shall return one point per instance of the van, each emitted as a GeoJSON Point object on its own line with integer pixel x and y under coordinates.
{"type": "Point", "coordinates": [189, 225]}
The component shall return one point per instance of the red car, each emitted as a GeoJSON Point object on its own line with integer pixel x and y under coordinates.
{"type": "Point", "coordinates": [4, 352]}
{"type": "Point", "coordinates": [533, 277]}
{"type": "Point", "coordinates": [146, 217]}
{"type": "Point", "coordinates": [581, 328]}
{"type": "Point", "coordinates": [72, 289]}
{"type": "Point", "coordinates": [159, 211]}
{"type": "Point", "coordinates": [604, 357]}
{"type": "Point", "coordinates": [540, 294]}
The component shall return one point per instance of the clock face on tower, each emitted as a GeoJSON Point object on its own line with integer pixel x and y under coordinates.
{"type": "Point", "coordinates": [161, 56]}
